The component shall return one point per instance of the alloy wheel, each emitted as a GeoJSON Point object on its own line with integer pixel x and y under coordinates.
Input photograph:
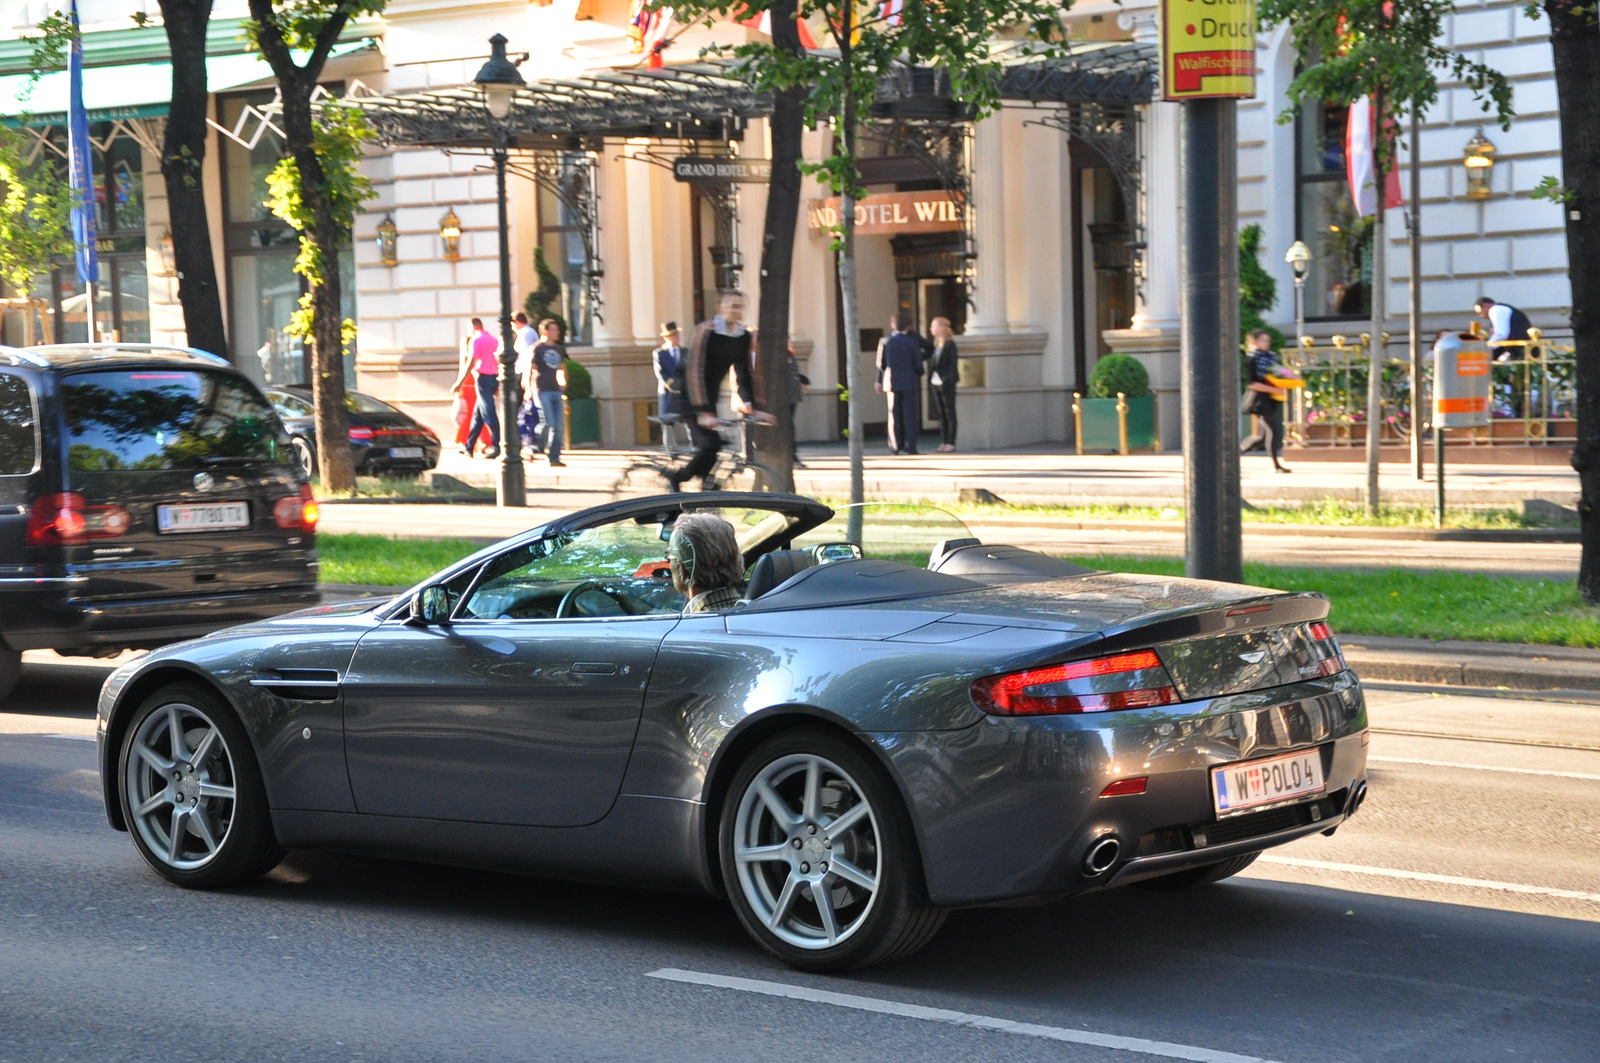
{"type": "Point", "coordinates": [807, 850]}
{"type": "Point", "coordinates": [181, 785]}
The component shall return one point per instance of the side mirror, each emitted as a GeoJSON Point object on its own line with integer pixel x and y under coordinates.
{"type": "Point", "coordinates": [430, 605]}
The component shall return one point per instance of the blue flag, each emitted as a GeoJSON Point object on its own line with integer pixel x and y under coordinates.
{"type": "Point", "coordinates": [80, 160]}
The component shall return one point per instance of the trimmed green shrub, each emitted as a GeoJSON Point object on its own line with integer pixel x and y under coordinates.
{"type": "Point", "coordinates": [1119, 372]}
{"type": "Point", "coordinates": [580, 385]}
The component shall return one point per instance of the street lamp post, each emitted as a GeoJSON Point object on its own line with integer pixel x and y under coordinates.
{"type": "Point", "coordinates": [1299, 259]}
{"type": "Point", "coordinates": [499, 80]}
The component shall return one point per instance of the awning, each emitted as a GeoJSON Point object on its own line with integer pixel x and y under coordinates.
{"type": "Point", "coordinates": [129, 90]}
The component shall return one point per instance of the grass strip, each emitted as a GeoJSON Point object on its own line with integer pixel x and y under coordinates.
{"type": "Point", "coordinates": [1411, 603]}
{"type": "Point", "coordinates": [378, 560]}
{"type": "Point", "coordinates": [1420, 603]}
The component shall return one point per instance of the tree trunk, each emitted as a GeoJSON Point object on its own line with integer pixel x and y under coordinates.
{"type": "Point", "coordinates": [296, 83]}
{"type": "Point", "coordinates": [775, 446]}
{"type": "Point", "coordinates": [849, 310]}
{"type": "Point", "coordinates": [182, 154]}
{"type": "Point", "coordinates": [1575, 41]}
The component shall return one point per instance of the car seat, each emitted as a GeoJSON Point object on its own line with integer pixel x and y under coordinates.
{"type": "Point", "coordinates": [775, 569]}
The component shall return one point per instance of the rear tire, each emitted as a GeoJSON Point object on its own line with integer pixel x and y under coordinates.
{"type": "Point", "coordinates": [641, 478]}
{"type": "Point", "coordinates": [191, 791]}
{"type": "Point", "coordinates": [819, 857]}
{"type": "Point", "coordinates": [1199, 876]}
{"type": "Point", "coordinates": [10, 671]}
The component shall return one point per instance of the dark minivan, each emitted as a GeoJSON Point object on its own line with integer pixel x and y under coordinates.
{"type": "Point", "coordinates": [147, 495]}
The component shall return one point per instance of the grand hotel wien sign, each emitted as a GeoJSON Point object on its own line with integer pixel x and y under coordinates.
{"type": "Point", "coordinates": [892, 213]}
{"type": "Point", "coordinates": [1208, 49]}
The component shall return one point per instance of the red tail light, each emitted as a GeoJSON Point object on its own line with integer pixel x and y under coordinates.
{"type": "Point", "coordinates": [297, 514]}
{"type": "Point", "coordinates": [360, 435]}
{"type": "Point", "coordinates": [1330, 660]}
{"type": "Point", "coordinates": [56, 520]}
{"type": "Point", "coordinates": [1124, 681]}
{"type": "Point", "coordinates": [1126, 787]}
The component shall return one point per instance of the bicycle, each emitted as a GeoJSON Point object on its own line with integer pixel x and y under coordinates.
{"type": "Point", "coordinates": [736, 468]}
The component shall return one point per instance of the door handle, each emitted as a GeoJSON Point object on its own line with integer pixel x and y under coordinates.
{"type": "Point", "coordinates": [594, 668]}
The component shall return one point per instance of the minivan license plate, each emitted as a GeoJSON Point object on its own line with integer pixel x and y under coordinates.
{"type": "Point", "coordinates": [1253, 783]}
{"type": "Point", "coordinates": [216, 516]}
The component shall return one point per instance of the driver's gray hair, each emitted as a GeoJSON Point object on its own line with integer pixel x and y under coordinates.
{"type": "Point", "coordinates": [718, 561]}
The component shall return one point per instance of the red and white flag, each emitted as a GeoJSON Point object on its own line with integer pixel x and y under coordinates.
{"type": "Point", "coordinates": [1360, 166]}
{"type": "Point", "coordinates": [762, 23]}
{"type": "Point", "coordinates": [890, 11]}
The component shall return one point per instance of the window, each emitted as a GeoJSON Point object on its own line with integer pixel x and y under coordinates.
{"type": "Point", "coordinates": [167, 419]}
{"type": "Point", "coordinates": [19, 427]}
{"type": "Point", "coordinates": [289, 405]}
{"type": "Point", "coordinates": [561, 239]}
{"type": "Point", "coordinates": [1326, 219]}
{"type": "Point", "coordinates": [613, 570]}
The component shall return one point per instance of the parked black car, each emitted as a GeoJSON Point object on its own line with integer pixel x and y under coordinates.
{"type": "Point", "coordinates": [382, 438]}
{"type": "Point", "coordinates": [147, 495]}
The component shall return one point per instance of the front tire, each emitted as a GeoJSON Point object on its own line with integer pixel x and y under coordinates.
{"type": "Point", "coordinates": [191, 791]}
{"type": "Point", "coordinates": [1199, 876]}
{"type": "Point", "coordinates": [305, 454]}
{"type": "Point", "coordinates": [819, 856]}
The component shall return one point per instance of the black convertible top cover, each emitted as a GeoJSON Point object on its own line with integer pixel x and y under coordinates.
{"type": "Point", "coordinates": [858, 582]}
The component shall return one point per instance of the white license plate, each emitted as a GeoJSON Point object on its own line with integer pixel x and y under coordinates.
{"type": "Point", "coordinates": [217, 516]}
{"type": "Point", "coordinates": [1253, 783]}
{"type": "Point", "coordinates": [405, 452]}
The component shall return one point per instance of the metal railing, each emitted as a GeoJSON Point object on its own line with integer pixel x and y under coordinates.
{"type": "Point", "coordinates": [1532, 399]}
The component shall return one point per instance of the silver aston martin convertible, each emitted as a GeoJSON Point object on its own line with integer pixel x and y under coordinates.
{"type": "Point", "coordinates": [883, 720]}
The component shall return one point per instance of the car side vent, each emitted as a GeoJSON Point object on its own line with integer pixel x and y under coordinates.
{"type": "Point", "coordinates": [300, 684]}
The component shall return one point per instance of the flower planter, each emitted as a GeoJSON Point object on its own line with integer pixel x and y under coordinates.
{"type": "Point", "coordinates": [583, 422]}
{"type": "Point", "coordinates": [1120, 425]}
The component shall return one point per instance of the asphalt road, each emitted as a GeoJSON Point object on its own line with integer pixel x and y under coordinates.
{"type": "Point", "coordinates": [1459, 921]}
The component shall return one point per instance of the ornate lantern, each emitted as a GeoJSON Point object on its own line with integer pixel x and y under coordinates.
{"type": "Point", "coordinates": [1478, 158]}
{"type": "Point", "coordinates": [450, 236]}
{"type": "Point", "coordinates": [388, 241]}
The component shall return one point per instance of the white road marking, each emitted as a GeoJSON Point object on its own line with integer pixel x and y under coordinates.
{"type": "Point", "coordinates": [1164, 1049]}
{"type": "Point", "coordinates": [1486, 767]}
{"type": "Point", "coordinates": [1426, 876]}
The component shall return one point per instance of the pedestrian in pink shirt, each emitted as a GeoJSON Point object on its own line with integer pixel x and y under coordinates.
{"type": "Point", "coordinates": [482, 357]}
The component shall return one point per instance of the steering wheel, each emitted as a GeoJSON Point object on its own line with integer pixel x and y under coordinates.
{"type": "Point", "coordinates": [569, 599]}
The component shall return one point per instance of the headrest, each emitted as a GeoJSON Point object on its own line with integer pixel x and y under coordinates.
{"type": "Point", "coordinates": [775, 569]}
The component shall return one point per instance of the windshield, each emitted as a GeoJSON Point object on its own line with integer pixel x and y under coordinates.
{"type": "Point", "coordinates": [890, 531]}
{"type": "Point", "coordinates": [167, 419]}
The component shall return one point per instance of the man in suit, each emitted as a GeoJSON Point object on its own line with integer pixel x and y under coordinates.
{"type": "Point", "coordinates": [900, 376]}
{"type": "Point", "coordinates": [665, 361]}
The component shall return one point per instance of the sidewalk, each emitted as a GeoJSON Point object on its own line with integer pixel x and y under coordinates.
{"type": "Point", "coordinates": [1052, 474]}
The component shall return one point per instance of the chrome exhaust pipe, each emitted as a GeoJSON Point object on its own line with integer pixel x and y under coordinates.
{"type": "Point", "coordinates": [1358, 796]}
{"type": "Point", "coordinates": [1101, 855]}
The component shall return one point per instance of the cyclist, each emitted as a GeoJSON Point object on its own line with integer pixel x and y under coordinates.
{"type": "Point", "coordinates": [718, 345]}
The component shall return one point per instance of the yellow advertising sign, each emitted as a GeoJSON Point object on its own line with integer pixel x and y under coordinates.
{"type": "Point", "coordinates": [1208, 49]}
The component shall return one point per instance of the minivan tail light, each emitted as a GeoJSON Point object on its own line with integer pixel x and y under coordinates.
{"type": "Point", "coordinates": [360, 435]}
{"type": "Point", "coordinates": [59, 519]}
{"type": "Point", "coordinates": [297, 512]}
{"type": "Point", "coordinates": [1330, 659]}
{"type": "Point", "coordinates": [1103, 684]}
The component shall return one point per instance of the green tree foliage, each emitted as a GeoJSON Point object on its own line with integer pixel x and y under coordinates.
{"type": "Point", "coordinates": [296, 37]}
{"type": "Point", "coordinates": [35, 206]}
{"type": "Point", "coordinates": [1258, 292]}
{"type": "Point", "coordinates": [337, 139]}
{"type": "Point", "coordinates": [1393, 50]}
{"type": "Point", "coordinates": [580, 385]}
{"type": "Point", "coordinates": [1119, 373]}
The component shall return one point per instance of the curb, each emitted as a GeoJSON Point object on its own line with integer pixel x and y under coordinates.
{"type": "Point", "coordinates": [1514, 666]}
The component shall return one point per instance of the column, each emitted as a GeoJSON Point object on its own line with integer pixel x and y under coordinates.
{"type": "Point", "coordinates": [1158, 307]}
{"type": "Point", "coordinates": [617, 329]}
{"type": "Point", "coordinates": [989, 313]}
{"type": "Point", "coordinates": [640, 215]}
